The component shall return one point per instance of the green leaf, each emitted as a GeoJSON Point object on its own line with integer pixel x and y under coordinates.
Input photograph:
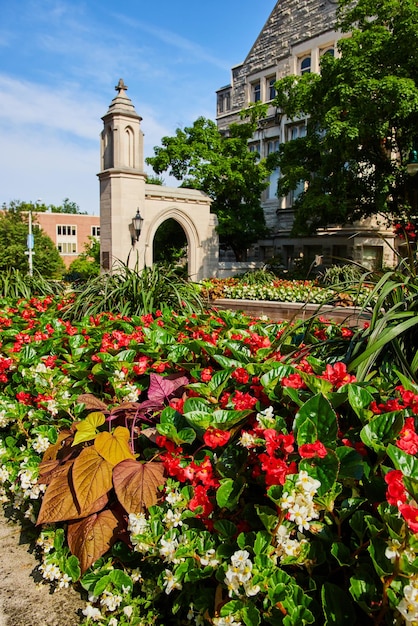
{"type": "Point", "coordinates": [325, 470]}
{"type": "Point", "coordinates": [359, 399]}
{"type": "Point", "coordinates": [251, 615]}
{"type": "Point", "coordinates": [403, 461]}
{"type": "Point", "coordinates": [342, 554]}
{"type": "Point", "coordinates": [381, 429]}
{"type": "Point", "coordinates": [337, 607]}
{"type": "Point", "coordinates": [72, 568]}
{"type": "Point", "coordinates": [229, 492]}
{"type": "Point", "coordinates": [351, 463]}
{"type": "Point", "coordinates": [225, 528]}
{"type": "Point", "coordinates": [320, 412]}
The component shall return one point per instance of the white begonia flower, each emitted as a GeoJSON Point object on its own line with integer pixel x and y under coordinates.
{"type": "Point", "coordinates": [92, 613]}
{"type": "Point", "coordinates": [209, 558]}
{"type": "Point", "coordinates": [172, 519]}
{"type": "Point", "coordinates": [110, 601]}
{"type": "Point", "coordinates": [170, 582]}
{"type": "Point", "coordinates": [393, 550]}
{"type": "Point", "coordinates": [113, 622]}
{"type": "Point", "coordinates": [247, 440]}
{"type": "Point", "coordinates": [309, 485]}
{"type": "Point", "coordinates": [168, 548]}
{"type": "Point", "coordinates": [4, 474]}
{"type": "Point", "coordinates": [138, 523]}
{"type": "Point", "coordinates": [41, 444]}
{"type": "Point", "coordinates": [4, 420]}
{"type": "Point", "coordinates": [173, 498]}
{"type": "Point", "coordinates": [128, 610]}
{"type": "Point", "coordinates": [133, 393]}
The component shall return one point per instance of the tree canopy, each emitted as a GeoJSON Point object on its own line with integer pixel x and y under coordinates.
{"type": "Point", "coordinates": [67, 206]}
{"type": "Point", "coordinates": [201, 157]}
{"type": "Point", "coordinates": [13, 245]}
{"type": "Point", "coordinates": [362, 119]}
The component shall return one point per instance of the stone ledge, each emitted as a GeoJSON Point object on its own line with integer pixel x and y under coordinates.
{"type": "Point", "coordinates": [278, 311]}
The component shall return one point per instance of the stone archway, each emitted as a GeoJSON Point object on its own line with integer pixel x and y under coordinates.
{"type": "Point", "coordinates": [124, 191]}
{"type": "Point", "coordinates": [194, 245]}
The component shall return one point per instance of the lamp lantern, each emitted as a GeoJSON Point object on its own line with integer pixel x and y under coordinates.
{"type": "Point", "coordinates": [412, 165]}
{"type": "Point", "coordinates": [137, 222]}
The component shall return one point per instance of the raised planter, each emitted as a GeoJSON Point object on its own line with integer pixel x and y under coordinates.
{"type": "Point", "coordinates": [277, 311]}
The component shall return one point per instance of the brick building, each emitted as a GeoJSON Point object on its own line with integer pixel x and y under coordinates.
{"type": "Point", "coordinates": [69, 231]}
{"type": "Point", "coordinates": [294, 38]}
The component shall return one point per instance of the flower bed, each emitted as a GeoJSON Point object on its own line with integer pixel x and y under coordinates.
{"type": "Point", "coordinates": [281, 290]}
{"type": "Point", "coordinates": [210, 469]}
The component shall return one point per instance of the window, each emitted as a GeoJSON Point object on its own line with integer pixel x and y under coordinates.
{"type": "Point", "coordinates": [95, 231]}
{"type": "Point", "coordinates": [256, 92]}
{"type": "Point", "coordinates": [271, 191]}
{"type": "Point", "coordinates": [271, 88]}
{"type": "Point", "coordinates": [255, 147]}
{"type": "Point", "coordinates": [220, 104]}
{"type": "Point", "coordinates": [224, 102]}
{"type": "Point", "coordinates": [305, 65]}
{"type": "Point", "coordinates": [64, 229]}
{"type": "Point", "coordinates": [296, 132]}
{"type": "Point", "coordinates": [329, 51]}
{"type": "Point", "coordinates": [67, 247]}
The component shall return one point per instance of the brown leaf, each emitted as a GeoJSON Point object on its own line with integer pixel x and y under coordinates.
{"type": "Point", "coordinates": [91, 477]}
{"type": "Point", "coordinates": [53, 450]}
{"type": "Point", "coordinates": [58, 503]}
{"type": "Point", "coordinates": [91, 537]}
{"type": "Point", "coordinates": [48, 470]}
{"type": "Point", "coordinates": [91, 402]}
{"type": "Point", "coordinates": [136, 484]}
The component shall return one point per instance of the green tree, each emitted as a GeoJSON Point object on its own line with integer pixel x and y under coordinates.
{"type": "Point", "coordinates": [362, 118]}
{"type": "Point", "coordinates": [221, 166]}
{"type": "Point", "coordinates": [13, 245]}
{"type": "Point", "coordinates": [87, 264]}
{"type": "Point", "coordinates": [67, 206]}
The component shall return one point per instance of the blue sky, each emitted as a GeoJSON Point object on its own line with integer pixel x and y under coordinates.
{"type": "Point", "coordinates": [61, 59]}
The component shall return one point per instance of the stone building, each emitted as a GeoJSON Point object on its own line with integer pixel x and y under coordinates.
{"type": "Point", "coordinates": [125, 195]}
{"type": "Point", "coordinates": [294, 38]}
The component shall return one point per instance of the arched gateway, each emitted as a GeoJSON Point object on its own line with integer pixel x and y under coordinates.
{"type": "Point", "coordinates": [124, 191]}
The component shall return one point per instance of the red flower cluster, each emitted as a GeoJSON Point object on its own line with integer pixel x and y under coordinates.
{"type": "Point", "coordinates": [5, 364]}
{"type": "Point", "coordinates": [215, 438]}
{"type": "Point", "coordinates": [311, 450]}
{"type": "Point", "coordinates": [408, 438]}
{"type": "Point", "coordinates": [337, 374]}
{"type": "Point", "coordinates": [396, 495]}
{"type": "Point", "coordinates": [405, 231]}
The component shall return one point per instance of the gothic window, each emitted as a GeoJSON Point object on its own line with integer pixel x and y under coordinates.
{"type": "Point", "coordinates": [129, 147]}
{"type": "Point", "coordinates": [271, 90]}
{"type": "Point", "coordinates": [256, 92]}
{"type": "Point", "coordinates": [305, 65]}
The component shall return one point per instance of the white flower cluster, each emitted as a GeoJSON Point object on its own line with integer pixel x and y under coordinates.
{"type": "Point", "coordinates": [395, 549]}
{"type": "Point", "coordinates": [286, 545]}
{"type": "Point", "coordinates": [170, 582]}
{"type": "Point", "coordinates": [239, 575]}
{"type": "Point", "coordinates": [51, 572]}
{"type": "Point", "coordinates": [41, 444]}
{"type": "Point", "coordinates": [299, 502]}
{"type": "Point", "coordinates": [408, 606]}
